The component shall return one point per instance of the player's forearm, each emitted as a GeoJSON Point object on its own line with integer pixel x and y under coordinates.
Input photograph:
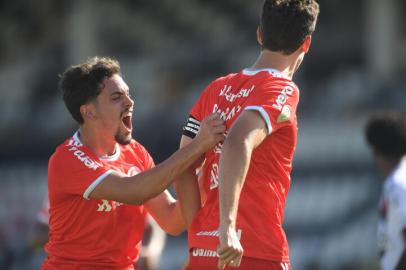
{"type": "Point", "coordinates": [187, 191]}
{"type": "Point", "coordinates": [233, 168]}
{"type": "Point", "coordinates": [150, 183]}
{"type": "Point", "coordinates": [174, 223]}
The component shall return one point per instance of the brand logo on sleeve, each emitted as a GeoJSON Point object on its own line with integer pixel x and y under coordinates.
{"type": "Point", "coordinates": [283, 97]}
{"type": "Point", "coordinates": [285, 114]}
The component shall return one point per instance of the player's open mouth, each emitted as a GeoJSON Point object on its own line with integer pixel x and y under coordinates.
{"type": "Point", "coordinates": [127, 122]}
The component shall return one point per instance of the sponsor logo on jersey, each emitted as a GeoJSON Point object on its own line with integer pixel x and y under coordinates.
{"type": "Point", "coordinates": [216, 233]}
{"type": "Point", "coordinates": [283, 97]}
{"type": "Point", "coordinates": [285, 114]}
{"type": "Point", "coordinates": [200, 252]}
{"type": "Point", "coordinates": [86, 160]}
{"type": "Point", "coordinates": [107, 206]}
{"type": "Point", "coordinates": [104, 206]}
{"type": "Point", "coordinates": [214, 176]}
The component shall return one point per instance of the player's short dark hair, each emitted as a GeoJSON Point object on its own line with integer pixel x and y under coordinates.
{"type": "Point", "coordinates": [83, 83]}
{"type": "Point", "coordinates": [285, 24]}
{"type": "Point", "coordinates": [386, 134]}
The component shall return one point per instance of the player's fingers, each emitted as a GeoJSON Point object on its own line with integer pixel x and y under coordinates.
{"type": "Point", "coordinates": [232, 258]}
{"type": "Point", "coordinates": [217, 122]}
{"type": "Point", "coordinates": [221, 265]}
{"type": "Point", "coordinates": [226, 254]}
{"type": "Point", "coordinates": [212, 117]}
{"type": "Point", "coordinates": [220, 137]}
{"type": "Point", "coordinates": [236, 262]}
{"type": "Point", "coordinates": [219, 129]}
{"type": "Point", "coordinates": [223, 249]}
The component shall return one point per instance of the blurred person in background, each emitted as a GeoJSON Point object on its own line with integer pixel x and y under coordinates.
{"type": "Point", "coordinates": [246, 179]}
{"type": "Point", "coordinates": [386, 136]}
{"type": "Point", "coordinates": [102, 183]}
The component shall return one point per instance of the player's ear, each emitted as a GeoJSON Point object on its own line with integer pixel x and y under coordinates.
{"type": "Point", "coordinates": [306, 44]}
{"type": "Point", "coordinates": [259, 36]}
{"type": "Point", "coordinates": [88, 111]}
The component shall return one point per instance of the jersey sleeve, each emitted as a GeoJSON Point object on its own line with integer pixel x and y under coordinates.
{"type": "Point", "coordinates": [196, 115]}
{"type": "Point", "coordinates": [74, 171]}
{"type": "Point", "coordinates": [148, 160]}
{"type": "Point", "coordinates": [276, 104]}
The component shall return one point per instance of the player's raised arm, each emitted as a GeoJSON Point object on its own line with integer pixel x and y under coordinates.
{"type": "Point", "coordinates": [248, 132]}
{"type": "Point", "coordinates": [146, 185]}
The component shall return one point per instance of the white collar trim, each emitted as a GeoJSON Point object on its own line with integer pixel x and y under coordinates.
{"type": "Point", "coordinates": [251, 72]}
{"type": "Point", "coordinates": [113, 157]}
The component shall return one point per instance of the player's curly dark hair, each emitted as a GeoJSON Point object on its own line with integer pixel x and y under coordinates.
{"type": "Point", "coordinates": [82, 83]}
{"type": "Point", "coordinates": [286, 23]}
{"type": "Point", "coordinates": [386, 134]}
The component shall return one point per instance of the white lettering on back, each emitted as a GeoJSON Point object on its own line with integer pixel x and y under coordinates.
{"type": "Point", "coordinates": [243, 93]}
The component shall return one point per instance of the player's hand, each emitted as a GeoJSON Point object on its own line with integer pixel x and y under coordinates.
{"type": "Point", "coordinates": [229, 250]}
{"type": "Point", "coordinates": [211, 132]}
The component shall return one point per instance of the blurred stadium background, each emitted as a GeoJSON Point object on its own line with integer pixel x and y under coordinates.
{"type": "Point", "coordinates": [169, 50]}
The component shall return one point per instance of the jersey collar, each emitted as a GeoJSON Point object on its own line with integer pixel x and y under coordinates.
{"type": "Point", "coordinates": [273, 72]}
{"type": "Point", "coordinates": [112, 157]}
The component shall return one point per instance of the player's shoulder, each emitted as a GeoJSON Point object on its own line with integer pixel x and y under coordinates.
{"type": "Point", "coordinates": [137, 147]}
{"type": "Point", "coordinates": [72, 151]}
{"type": "Point", "coordinates": [224, 79]}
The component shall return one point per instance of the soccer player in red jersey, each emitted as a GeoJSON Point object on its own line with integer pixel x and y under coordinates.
{"type": "Point", "coordinates": [246, 179]}
{"type": "Point", "coordinates": [102, 183]}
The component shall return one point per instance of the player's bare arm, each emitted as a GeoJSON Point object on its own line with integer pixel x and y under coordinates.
{"type": "Point", "coordinates": [174, 216]}
{"type": "Point", "coordinates": [187, 188]}
{"type": "Point", "coordinates": [245, 135]}
{"type": "Point", "coordinates": [146, 185]}
{"type": "Point", "coordinates": [167, 213]}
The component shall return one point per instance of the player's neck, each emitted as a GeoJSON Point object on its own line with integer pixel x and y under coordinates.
{"type": "Point", "coordinates": [99, 144]}
{"type": "Point", "coordinates": [286, 64]}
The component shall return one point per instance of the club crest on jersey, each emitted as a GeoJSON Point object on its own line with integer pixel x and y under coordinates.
{"type": "Point", "coordinates": [285, 114]}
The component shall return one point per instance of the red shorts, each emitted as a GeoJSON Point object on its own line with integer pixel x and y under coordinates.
{"type": "Point", "coordinates": [207, 260]}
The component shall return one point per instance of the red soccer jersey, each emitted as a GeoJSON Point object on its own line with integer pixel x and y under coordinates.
{"type": "Point", "coordinates": [262, 200]}
{"type": "Point", "coordinates": [89, 233]}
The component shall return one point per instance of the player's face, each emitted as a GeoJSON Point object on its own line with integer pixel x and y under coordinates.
{"type": "Point", "coordinates": [114, 108]}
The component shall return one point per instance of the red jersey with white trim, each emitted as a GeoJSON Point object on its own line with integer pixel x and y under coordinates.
{"type": "Point", "coordinates": [92, 233]}
{"type": "Point", "coordinates": [262, 200]}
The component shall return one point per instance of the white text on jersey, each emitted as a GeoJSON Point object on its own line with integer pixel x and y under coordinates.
{"type": "Point", "coordinates": [244, 92]}
{"type": "Point", "coordinates": [84, 158]}
{"type": "Point", "coordinates": [283, 97]}
{"type": "Point", "coordinates": [227, 113]}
